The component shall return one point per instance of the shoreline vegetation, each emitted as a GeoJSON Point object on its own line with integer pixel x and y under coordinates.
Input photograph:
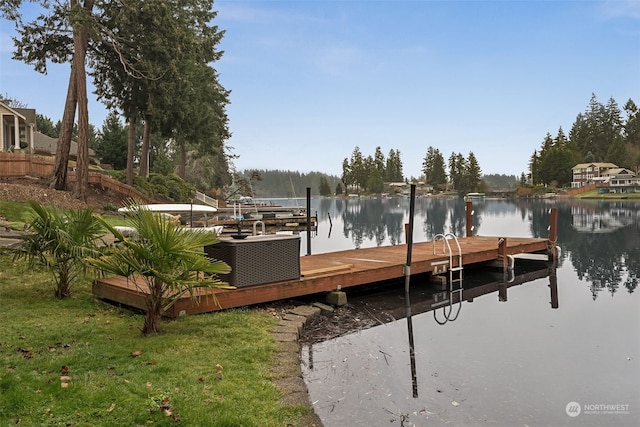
{"type": "Point", "coordinates": [79, 360]}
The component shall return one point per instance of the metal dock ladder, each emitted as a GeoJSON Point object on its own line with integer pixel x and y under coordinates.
{"type": "Point", "coordinates": [455, 279]}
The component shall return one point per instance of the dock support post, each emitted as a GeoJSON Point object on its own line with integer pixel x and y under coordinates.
{"type": "Point", "coordinates": [553, 234]}
{"type": "Point", "coordinates": [553, 286]}
{"type": "Point", "coordinates": [308, 220]}
{"type": "Point", "coordinates": [502, 252]}
{"type": "Point", "coordinates": [468, 207]}
{"type": "Point", "coordinates": [553, 283]}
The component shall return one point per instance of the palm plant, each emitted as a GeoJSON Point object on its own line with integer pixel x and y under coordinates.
{"type": "Point", "coordinates": [163, 261]}
{"type": "Point", "coordinates": [60, 240]}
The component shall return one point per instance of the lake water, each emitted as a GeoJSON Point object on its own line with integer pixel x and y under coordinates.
{"type": "Point", "coordinates": [560, 348]}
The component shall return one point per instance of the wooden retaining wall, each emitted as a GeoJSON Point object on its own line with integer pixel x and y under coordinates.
{"type": "Point", "coordinates": [15, 165]}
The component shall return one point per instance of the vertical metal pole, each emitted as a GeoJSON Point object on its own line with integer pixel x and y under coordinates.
{"type": "Point", "coordinates": [407, 301]}
{"type": "Point", "coordinates": [308, 220]}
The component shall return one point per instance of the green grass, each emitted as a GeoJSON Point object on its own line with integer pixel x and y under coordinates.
{"type": "Point", "coordinates": [594, 194]}
{"type": "Point", "coordinates": [117, 376]}
{"type": "Point", "coordinates": [16, 213]}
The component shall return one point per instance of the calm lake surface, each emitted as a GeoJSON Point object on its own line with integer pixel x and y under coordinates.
{"type": "Point", "coordinates": [557, 348]}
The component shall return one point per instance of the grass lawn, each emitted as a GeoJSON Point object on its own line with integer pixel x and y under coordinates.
{"type": "Point", "coordinates": [80, 361]}
{"type": "Point", "coordinates": [594, 194]}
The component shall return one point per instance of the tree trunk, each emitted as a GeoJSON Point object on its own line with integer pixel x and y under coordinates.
{"type": "Point", "coordinates": [62, 288]}
{"type": "Point", "coordinates": [59, 177]}
{"type": "Point", "coordinates": [154, 308]}
{"type": "Point", "coordinates": [144, 150]}
{"type": "Point", "coordinates": [82, 170]}
{"type": "Point", "coordinates": [80, 43]}
{"type": "Point", "coordinates": [182, 161]}
{"type": "Point", "coordinates": [131, 145]}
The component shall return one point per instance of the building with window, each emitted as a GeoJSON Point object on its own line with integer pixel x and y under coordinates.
{"type": "Point", "coordinates": [17, 128]}
{"type": "Point", "coordinates": [590, 173]}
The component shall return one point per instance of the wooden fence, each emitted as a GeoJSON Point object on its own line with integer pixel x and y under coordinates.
{"type": "Point", "coordinates": [15, 165]}
{"type": "Point", "coordinates": [584, 189]}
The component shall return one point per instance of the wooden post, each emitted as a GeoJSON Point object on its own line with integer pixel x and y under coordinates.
{"type": "Point", "coordinates": [468, 207]}
{"type": "Point", "coordinates": [406, 233]}
{"type": "Point", "coordinates": [553, 286]}
{"type": "Point", "coordinates": [502, 252]}
{"type": "Point", "coordinates": [308, 220]}
{"type": "Point", "coordinates": [553, 233]}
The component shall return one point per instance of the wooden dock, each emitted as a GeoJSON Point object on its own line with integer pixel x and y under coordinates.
{"type": "Point", "coordinates": [341, 270]}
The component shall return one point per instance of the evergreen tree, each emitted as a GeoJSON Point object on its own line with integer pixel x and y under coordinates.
{"type": "Point", "coordinates": [632, 123]}
{"type": "Point", "coordinates": [631, 133]}
{"type": "Point", "coordinates": [111, 145]}
{"type": "Point", "coordinates": [324, 189]}
{"type": "Point", "coordinates": [358, 174]}
{"type": "Point", "coordinates": [523, 180]}
{"type": "Point", "coordinates": [457, 168]}
{"type": "Point", "coordinates": [473, 174]}
{"type": "Point", "coordinates": [579, 136]}
{"type": "Point", "coordinates": [433, 168]}
{"type": "Point", "coordinates": [534, 169]}
{"type": "Point", "coordinates": [374, 182]}
{"type": "Point", "coordinates": [550, 166]}
{"type": "Point", "coordinates": [393, 167]}
{"type": "Point", "coordinates": [379, 162]}
{"type": "Point", "coordinates": [617, 153]}
{"type": "Point", "coordinates": [347, 175]}
{"type": "Point", "coordinates": [560, 140]}
{"type": "Point", "coordinates": [45, 126]}
{"type": "Point", "coordinates": [369, 164]}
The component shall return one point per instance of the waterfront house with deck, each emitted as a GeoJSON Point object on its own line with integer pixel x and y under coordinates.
{"type": "Point", "coordinates": [19, 134]}
{"type": "Point", "coordinates": [589, 173]}
{"type": "Point", "coordinates": [17, 128]}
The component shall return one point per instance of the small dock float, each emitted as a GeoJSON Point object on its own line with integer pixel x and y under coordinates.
{"type": "Point", "coordinates": [340, 270]}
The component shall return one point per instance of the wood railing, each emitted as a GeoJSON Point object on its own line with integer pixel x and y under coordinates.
{"type": "Point", "coordinates": [15, 165]}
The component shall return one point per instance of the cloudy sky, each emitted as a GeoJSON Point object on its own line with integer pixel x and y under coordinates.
{"type": "Point", "coordinates": [311, 80]}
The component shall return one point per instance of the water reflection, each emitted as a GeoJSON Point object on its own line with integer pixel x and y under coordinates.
{"type": "Point", "coordinates": [508, 359]}
{"type": "Point", "coordinates": [428, 296]}
{"type": "Point", "coordinates": [446, 305]}
{"type": "Point", "coordinates": [601, 240]}
{"type": "Point", "coordinates": [604, 242]}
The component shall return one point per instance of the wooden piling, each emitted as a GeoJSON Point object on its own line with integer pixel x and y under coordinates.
{"type": "Point", "coordinates": [553, 233]}
{"type": "Point", "coordinates": [468, 207]}
{"type": "Point", "coordinates": [502, 252]}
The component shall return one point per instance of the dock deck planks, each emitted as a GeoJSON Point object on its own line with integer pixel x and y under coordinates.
{"type": "Point", "coordinates": [334, 270]}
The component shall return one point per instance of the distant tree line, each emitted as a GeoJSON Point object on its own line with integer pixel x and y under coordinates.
{"type": "Point", "coordinates": [368, 174]}
{"type": "Point", "coordinates": [501, 182]}
{"type": "Point", "coordinates": [465, 175]}
{"type": "Point", "coordinates": [285, 183]}
{"type": "Point", "coordinates": [600, 134]}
